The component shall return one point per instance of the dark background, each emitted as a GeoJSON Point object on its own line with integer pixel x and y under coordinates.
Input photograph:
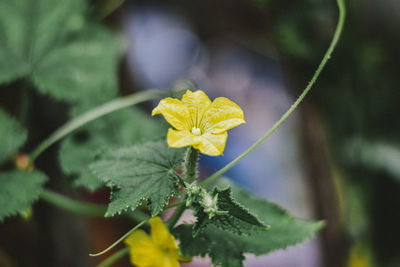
{"type": "Point", "coordinates": [343, 141]}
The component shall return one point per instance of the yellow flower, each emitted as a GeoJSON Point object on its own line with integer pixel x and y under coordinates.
{"type": "Point", "coordinates": [198, 122]}
{"type": "Point", "coordinates": [359, 256]}
{"type": "Point", "coordinates": [159, 250]}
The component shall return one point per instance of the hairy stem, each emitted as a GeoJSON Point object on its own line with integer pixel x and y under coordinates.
{"type": "Point", "coordinates": [338, 31]}
{"type": "Point", "coordinates": [190, 165]}
{"type": "Point", "coordinates": [93, 114]}
{"type": "Point", "coordinates": [190, 175]}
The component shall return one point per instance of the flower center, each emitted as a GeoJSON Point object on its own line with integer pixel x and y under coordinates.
{"type": "Point", "coordinates": [196, 131]}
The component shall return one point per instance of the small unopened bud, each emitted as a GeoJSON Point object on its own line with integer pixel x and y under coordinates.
{"type": "Point", "coordinates": [22, 162]}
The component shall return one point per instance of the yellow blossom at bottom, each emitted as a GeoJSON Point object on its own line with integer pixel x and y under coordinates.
{"type": "Point", "coordinates": [157, 250]}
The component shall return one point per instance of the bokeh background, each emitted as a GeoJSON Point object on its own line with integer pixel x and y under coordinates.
{"type": "Point", "coordinates": [337, 158]}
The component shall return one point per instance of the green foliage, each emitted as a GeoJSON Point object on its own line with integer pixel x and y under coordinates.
{"type": "Point", "coordinates": [285, 230]}
{"type": "Point", "coordinates": [18, 190]}
{"type": "Point", "coordinates": [122, 128]}
{"type": "Point", "coordinates": [381, 156]}
{"type": "Point", "coordinates": [80, 68]}
{"type": "Point", "coordinates": [140, 172]}
{"type": "Point", "coordinates": [12, 136]}
{"type": "Point", "coordinates": [291, 42]}
{"type": "Point", "coordinates": [222, 247]}
{"type": "Point", "coordinates": [51, 44]}
{"type": "Point", "coordinates": [236, 218]}
{"type": "Point", "coordinates": [227, 249]}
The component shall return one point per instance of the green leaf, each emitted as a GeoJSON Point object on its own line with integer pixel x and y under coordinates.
{"type": "Point", "coordinates": [140, 172]}
{"type": "Point", "coordinates": [222, 247]}
{"type": "Point", "coordinates": [12, 136]}
{"type": "Point", "coordinates": [237, 219]}
{"type": "Point", "coordinates": [81, 68]}
{"type": "Point", "coordinates": [18, 191]}
{"type": "Point", "coordinates": [31, 28]}
{"type": "Point", "coordinates": [121, 128]}
{"type": "Point", "coordinates": [285, 230]}
{"type": "Point", "coordinates": [227, 249]}
{"type": "Point", "coordinates": [50, 43]}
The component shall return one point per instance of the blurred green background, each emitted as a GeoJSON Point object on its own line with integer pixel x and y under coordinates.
{"type": "Point", "coordinates": [60, 58]}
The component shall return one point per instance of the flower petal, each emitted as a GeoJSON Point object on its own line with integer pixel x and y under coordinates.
{"type": "Point", "coordinates": [197, 103]}
{"type": "Point", "coordinates": [161, 236]}
{"type": "Point", "coordinates": [164, 240]}
{"type": "Point", "coordinates": [222, 115]}
{"type": "Point", "coordinates": [169, 262]}
{"type": "Point", "coordinates": [138, 236]}
{"type": "Point", "coordinates": [212, 144]}
{"type": "Point", "coordinates": [174, 112]}
{"type": "Point", "coordinates": [144, 253]}
{"type": "Point", "coordinates": [183, 138]}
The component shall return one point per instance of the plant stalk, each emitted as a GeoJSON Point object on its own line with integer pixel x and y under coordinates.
{"type": "Point", "coordinates": [190, 165]}
{"type": "Point", "coordinates": [79, 207]}
{"type": "Point", "coordinates": [176, 216]}
{"type": "Point", "coordinates": [122, 238]}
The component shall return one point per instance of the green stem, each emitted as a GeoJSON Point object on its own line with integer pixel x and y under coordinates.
{"type": "Point", "coordinates": [174, 205]}
{"type": "Point", "coordinates": [190, 165]}
{"type": "Point", "coordinates": [114, 257]}
{"type": "Point", "coordinates": [190, 174]}
{"type": "Point", "coordinates": [137, 215]}
{"type": "Point", "coordinates": [90, 209]}
{"type": "Point", "coordinates": [119, 240]}
{"type": "Point", "coordinates": [74, 206]}
{"type": "Point", "coordinates": [338, 31]}
{"type": "Point", "coordinates": [176, 216]}
{"type": "Point", "coordinates": [85, 208]}
{"type": "Point", "coordinates": [93, 114]}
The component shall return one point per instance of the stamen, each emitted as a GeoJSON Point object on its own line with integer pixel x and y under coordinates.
{"type": "Point", "coordinates": [196, 131]}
